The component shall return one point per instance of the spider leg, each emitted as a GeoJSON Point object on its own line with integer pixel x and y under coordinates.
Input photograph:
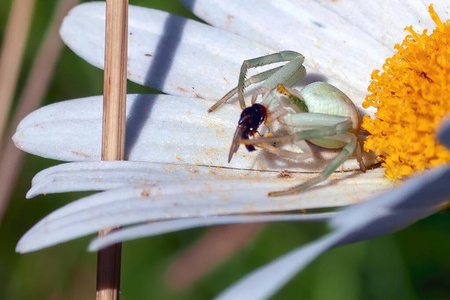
{"type": "Point", "coordinates": [316, 132]}
{"type": "Point", "coordinates": [252, 80]}
{"type": "Point", "coordinates": [296, 156]}
{"type": "Point", "coordinates": [288, 74]}
{"type": "Point", "coordinates": [348, 150]}
{"type": "Point", "coordinates": [361, 163]}
{"type": "Point", "coordinates": [300, 120]}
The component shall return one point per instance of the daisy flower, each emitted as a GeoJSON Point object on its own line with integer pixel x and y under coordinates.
{"type": "Point", "coordinates": [177, 171]}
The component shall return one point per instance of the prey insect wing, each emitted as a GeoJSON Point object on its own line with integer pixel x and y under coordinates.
{"type": "Point", "coordinates": [240, 130]}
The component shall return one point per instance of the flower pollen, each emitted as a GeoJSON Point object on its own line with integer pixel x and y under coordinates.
{"type": "Point", "coordinates": [411, 96]}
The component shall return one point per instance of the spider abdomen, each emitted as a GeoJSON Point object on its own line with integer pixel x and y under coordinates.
{"type": "Point", "coordinates": [325, 106]}
{"type": "Point", "coordinates": [323, 98]}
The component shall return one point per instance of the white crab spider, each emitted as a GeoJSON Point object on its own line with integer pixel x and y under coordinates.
{"type": "Point", "coordinates": [320, 113]}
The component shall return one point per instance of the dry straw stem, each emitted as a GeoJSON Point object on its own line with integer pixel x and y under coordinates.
{"type": "Point", "coordinates": [115, 84]}
{"type": "Point", "coordinates": [34, 91]}
{"type": "Point", "coordinates": [11, 55]}
{"type": "Point", "coordinates": [113, 139]}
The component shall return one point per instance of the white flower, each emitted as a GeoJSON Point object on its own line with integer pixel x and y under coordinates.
{"type": "Point", "coordinates": [177, 152]}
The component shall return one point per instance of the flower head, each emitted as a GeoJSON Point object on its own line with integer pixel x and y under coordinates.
{"type": "Point", "coordinates": [411, 97]}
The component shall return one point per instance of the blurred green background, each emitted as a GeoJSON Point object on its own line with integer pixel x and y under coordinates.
{"type": "Point", "coordinates": [412, 264]}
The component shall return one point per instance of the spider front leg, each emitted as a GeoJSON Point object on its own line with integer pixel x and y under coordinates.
{"type": "Point", "coordinates": [252, 80]}
{"type": "Point", "coordinates": [337, 126]}
{"type": "Point", "coordinates": [288, 75]}
{"type": "Point", "coordinates": [296, 156]}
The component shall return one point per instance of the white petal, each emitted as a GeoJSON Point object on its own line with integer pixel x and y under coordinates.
{"type": "Point", "coordinates": [104, 175]}
{"type": "Point", "coordinates": [386, 213]}
{"type": "Point", "coordinates": [385, 25]}
{"type": "Point", "coordinates": [335, 48]}
{"type": "Point", "coordinates": [184, 199]}
{"type": "Point", "coordinates": [426, 191]}
{"type": "Point", "coordinates": [160, 128]}
{"type": "Point", "coordinates": [147, 230]}
{"type": "Point", "coordinates": [166, 52]}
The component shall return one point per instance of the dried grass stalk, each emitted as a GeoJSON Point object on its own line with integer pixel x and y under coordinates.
{"type": "Point", "coordinates": [113, 139]}
{"type": "Point", "coordinates": [12, 54]}
{"type": "Point", "coordinates": [33, 92]}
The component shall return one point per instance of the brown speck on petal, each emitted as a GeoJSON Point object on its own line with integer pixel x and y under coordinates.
{"type": "Point", "coordinates": [230, 19]}
{"type": "Point", "coordinates": [284, 174]}
{"type": "Point", "coordinates": [78, 153]}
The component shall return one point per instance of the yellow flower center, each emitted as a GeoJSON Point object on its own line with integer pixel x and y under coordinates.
{"type": "Point", "coordinates": [411, 95]}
